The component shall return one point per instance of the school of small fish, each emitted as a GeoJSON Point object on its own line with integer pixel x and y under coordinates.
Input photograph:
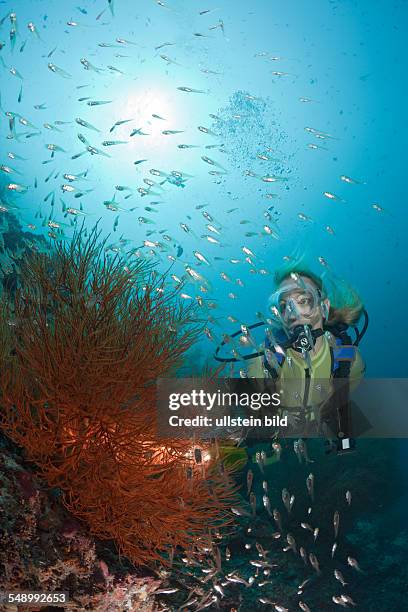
{"type": "Point", "coordinates": [224, 568]}
{"type": "Point", "coordinates": [80, 147]}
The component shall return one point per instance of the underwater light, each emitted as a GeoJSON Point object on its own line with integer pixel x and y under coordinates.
{"type": "Point", "coordinates": [154, 116]}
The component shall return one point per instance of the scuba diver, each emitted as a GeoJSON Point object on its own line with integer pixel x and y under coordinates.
{"type": "Point", "coordinates": [310, 358]}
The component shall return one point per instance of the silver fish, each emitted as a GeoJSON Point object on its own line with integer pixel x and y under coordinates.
{"type": "Point", "coordinates": [258, 460]}
{"type": "Point", "coordinates": [88, 66]}
{"type": "Point", "coordinates": [16, 188]}
{"type": "Point", "coordinates": [206, 130]}
{"type": "Point", "coordinates": [338, 600]}
{"type": "Point", "coordinates": [277, 448]}
{"type": "Point", "coordinates": [339, 576]}
{"type": "Point", "coordinates": [350, 181]}
{"type": "Point", "coordinates": [310, 485]}
{"type": "Point", "coordinates": [111, 143]}
{"type": "Point", "coordinates": [166, 44]}
{"type": "Point", "coordinates": [297, 450]}
{"type": "Point", "coordinates": [86, 124]}
{"type": "Point", "coordinates": [304, 583]}
{"type": "Point", "coordinates": [273, 179]}
{"type": "Point", "coordinates": [98, 102]}
{"type": "Point", "coordinates": [31, 26]}
{"type": "Point", "coordinates": [304, 217]}
{"type": "Point", "coordinates": [314, 563]}
{"type": "Point", "coordinates": [171, 132]}
{"type": "Point", "coordinates": [333, 196]}
{"type": "Point", "coordinates": [186, 146]}
{"type": "Point", "coordinates": [303, 450]}
{"type": "Point", "coordinates": [16, 73]}
{"type": "Point", "coordinates": [267, 504]}
{"type": "Point", "coordinates": [336, 522]}
{"type": "Point", "coordinates": [211, 162]}
{"type": "Point", "coordinates": [286, 499]}
{"type": "Point", "coordinates": [277, 518]}
{"type": "Point", "coordinates": [311, 145]}
{"type": "Point", "coordinates": [292, 543]}
{"type": "Point", "coordinates": [354, 564]}
{"type": "Point", "coordinates": [59, 71]}
{"type": "Point", "coordinates": [190, 90]}
{"type": "Point", "coordinates": [347, 600]}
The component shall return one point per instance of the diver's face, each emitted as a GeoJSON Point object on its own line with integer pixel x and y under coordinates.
{"type": "Point", "coordinates": [300, 305]}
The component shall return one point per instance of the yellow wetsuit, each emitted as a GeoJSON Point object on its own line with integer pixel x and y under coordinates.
{"type": "Point", "coordinates": [302, 386]}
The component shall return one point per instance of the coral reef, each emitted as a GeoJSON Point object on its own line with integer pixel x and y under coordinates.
{"type": "Point", "coordinates": [43, 548]}
{"type": "Point", "coordinates": [88, 340]}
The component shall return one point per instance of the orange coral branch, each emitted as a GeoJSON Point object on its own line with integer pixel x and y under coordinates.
{"type": "Point", "coordinates": [78, 393]}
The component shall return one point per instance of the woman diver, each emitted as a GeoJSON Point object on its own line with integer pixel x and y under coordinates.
{"type": "Point", "coordinates": [310, 356]}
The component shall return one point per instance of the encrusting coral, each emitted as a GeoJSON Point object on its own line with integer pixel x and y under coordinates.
{"type": "Point", "coordinates": [81, 349]}
{"type": "Point", "coordinates": [44, 549]}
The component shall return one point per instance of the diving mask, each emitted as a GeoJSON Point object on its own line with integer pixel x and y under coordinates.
{"type": "Point", "coordinates": [296, 300]}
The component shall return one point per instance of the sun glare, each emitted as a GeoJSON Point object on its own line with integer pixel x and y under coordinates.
{"type": "Point", "coordinates": [153, 111]}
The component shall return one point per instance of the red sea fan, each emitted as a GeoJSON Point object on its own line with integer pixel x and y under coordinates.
{"type": "Point", "coordinates": [88, 340]}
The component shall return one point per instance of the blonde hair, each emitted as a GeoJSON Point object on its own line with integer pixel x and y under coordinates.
{"type": "Point", "coordinates": [346, 306]}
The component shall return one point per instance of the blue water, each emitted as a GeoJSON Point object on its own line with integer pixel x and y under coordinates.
{"type": "Point", "coordinates": [345, 58]}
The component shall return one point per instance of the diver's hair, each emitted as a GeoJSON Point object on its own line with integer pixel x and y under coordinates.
{"type": "Point", "coordinates": [349, 312]}
{"type": "Point", "coordinates": [285, 272]}
{"type": "Point", "coordinates": [346, 305]}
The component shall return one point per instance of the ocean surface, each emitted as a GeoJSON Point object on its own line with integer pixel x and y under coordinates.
{"type": "Point", "coordinates": [219, 140]}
